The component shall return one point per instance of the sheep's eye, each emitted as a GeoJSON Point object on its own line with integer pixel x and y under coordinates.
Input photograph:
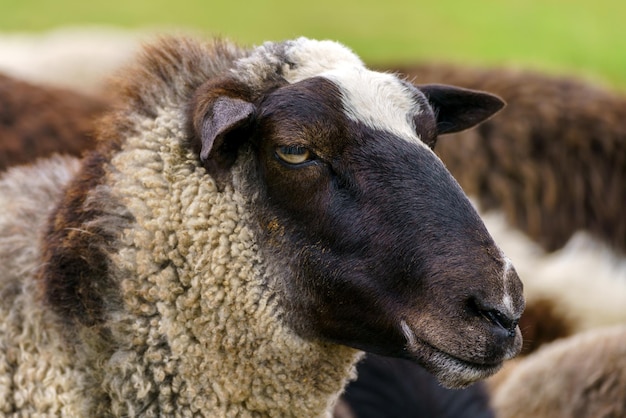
{"type": "Point", "coordinates": [293, 154]}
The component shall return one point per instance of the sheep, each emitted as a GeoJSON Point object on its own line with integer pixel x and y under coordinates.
{"type": "Point", "coordinates": [37, 121]}
{"type": "Point", "coordinates": [417, 393]}
{"type": "Point", "coordinates": [592, 384]}
{"type": "Point", "coordinates": [558, 326]}
{"type": "Point", "coordinates": [536, 331]}
{"type": "Point", "coordinates": [250, 222]}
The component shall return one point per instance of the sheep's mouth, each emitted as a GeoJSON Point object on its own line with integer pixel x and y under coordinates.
{"type": "Point", "coordinates": [455, 372]}
{"type": "Point", "coordinates": [451, 370]}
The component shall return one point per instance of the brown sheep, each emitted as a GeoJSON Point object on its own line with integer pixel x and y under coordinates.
{"type": "Point", "coordinates": [422, 394]}
{"type": "Point", "coordinates": [537, 329]}
{"type": "Point", "coordinates": [36, 122]}
{"type": "Point", "coordinates": [249, 221]}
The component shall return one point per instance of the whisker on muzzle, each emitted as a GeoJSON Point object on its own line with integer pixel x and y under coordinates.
{"type": "Point", "coordinates": [408, 333]}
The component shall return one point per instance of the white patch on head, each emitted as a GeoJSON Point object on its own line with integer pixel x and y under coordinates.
{"type": "Point", "coordinates": [310, 58]}
{"type": "Point", "coordinates": [293, 60]}
{"type": "Point", "coordinates": [378, 100]}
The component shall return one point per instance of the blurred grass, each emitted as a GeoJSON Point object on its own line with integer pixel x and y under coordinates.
{"type": "Point", "coordinates": [583, 37]}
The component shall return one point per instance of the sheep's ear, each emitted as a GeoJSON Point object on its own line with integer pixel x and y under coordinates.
{"type": "Point", "coordinates": [457, 108]}
{"type": "Point", "coordinates": [226, 115]}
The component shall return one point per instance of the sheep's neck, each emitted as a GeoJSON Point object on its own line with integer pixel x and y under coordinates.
{"type": "Point", "coordinates": [198, 330]}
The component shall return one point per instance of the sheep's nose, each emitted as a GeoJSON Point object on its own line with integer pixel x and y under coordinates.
{"type": "Point", "coordinates": [498, 317]}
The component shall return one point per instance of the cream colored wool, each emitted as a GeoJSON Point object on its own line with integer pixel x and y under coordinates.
{"type": "Point", "coordinates": [195, 299]}
{"type": "Point", "coordinates": [36, 373]}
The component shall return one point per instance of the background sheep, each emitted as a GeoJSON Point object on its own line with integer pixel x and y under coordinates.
{"type": "Point", "coordinates": [580, 376]}
{"type": "Point", "coordinates": [36, 122]}
{"type": "Point", "coordinates": [176, 291]}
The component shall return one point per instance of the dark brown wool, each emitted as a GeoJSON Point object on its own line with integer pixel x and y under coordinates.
{"type": "Point", "coordinates": [37, 121]}
{"type": "Point", "coordinates": [554, 160]}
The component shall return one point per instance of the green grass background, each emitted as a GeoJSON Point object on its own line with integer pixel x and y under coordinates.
{"type": "Point", "coordinates": [582, 37]}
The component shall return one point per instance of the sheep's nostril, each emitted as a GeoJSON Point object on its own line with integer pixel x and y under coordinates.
{"type": "Point", "coordinates": [495, 315]}
{"type": "Point", "coordinates": [498, 318]}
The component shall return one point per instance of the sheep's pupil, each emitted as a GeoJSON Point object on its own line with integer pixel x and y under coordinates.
{"type": "Point", "coordinates": [293, 154]}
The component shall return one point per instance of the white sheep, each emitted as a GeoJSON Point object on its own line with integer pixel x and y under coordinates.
{"type": "Point", "coordinates": [250, 221]}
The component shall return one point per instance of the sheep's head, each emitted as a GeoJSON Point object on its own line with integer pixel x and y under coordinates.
{"type": "Point", "coordinates": [378, 247]}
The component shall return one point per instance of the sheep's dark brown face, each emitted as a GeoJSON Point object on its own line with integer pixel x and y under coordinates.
{"type": "Point", "coordinates": [384, 251]}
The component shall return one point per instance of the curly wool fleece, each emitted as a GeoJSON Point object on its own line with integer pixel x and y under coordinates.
{"type": "Point", "coordinates": [36, 373]}
{"type": "Point", "coordinates": [190, 326]}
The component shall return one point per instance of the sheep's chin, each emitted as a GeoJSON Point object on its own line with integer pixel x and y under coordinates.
{"type": "Point", "coordinates": [451, 371]}
{"type": "Point", "coordinates": [455, 373]}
